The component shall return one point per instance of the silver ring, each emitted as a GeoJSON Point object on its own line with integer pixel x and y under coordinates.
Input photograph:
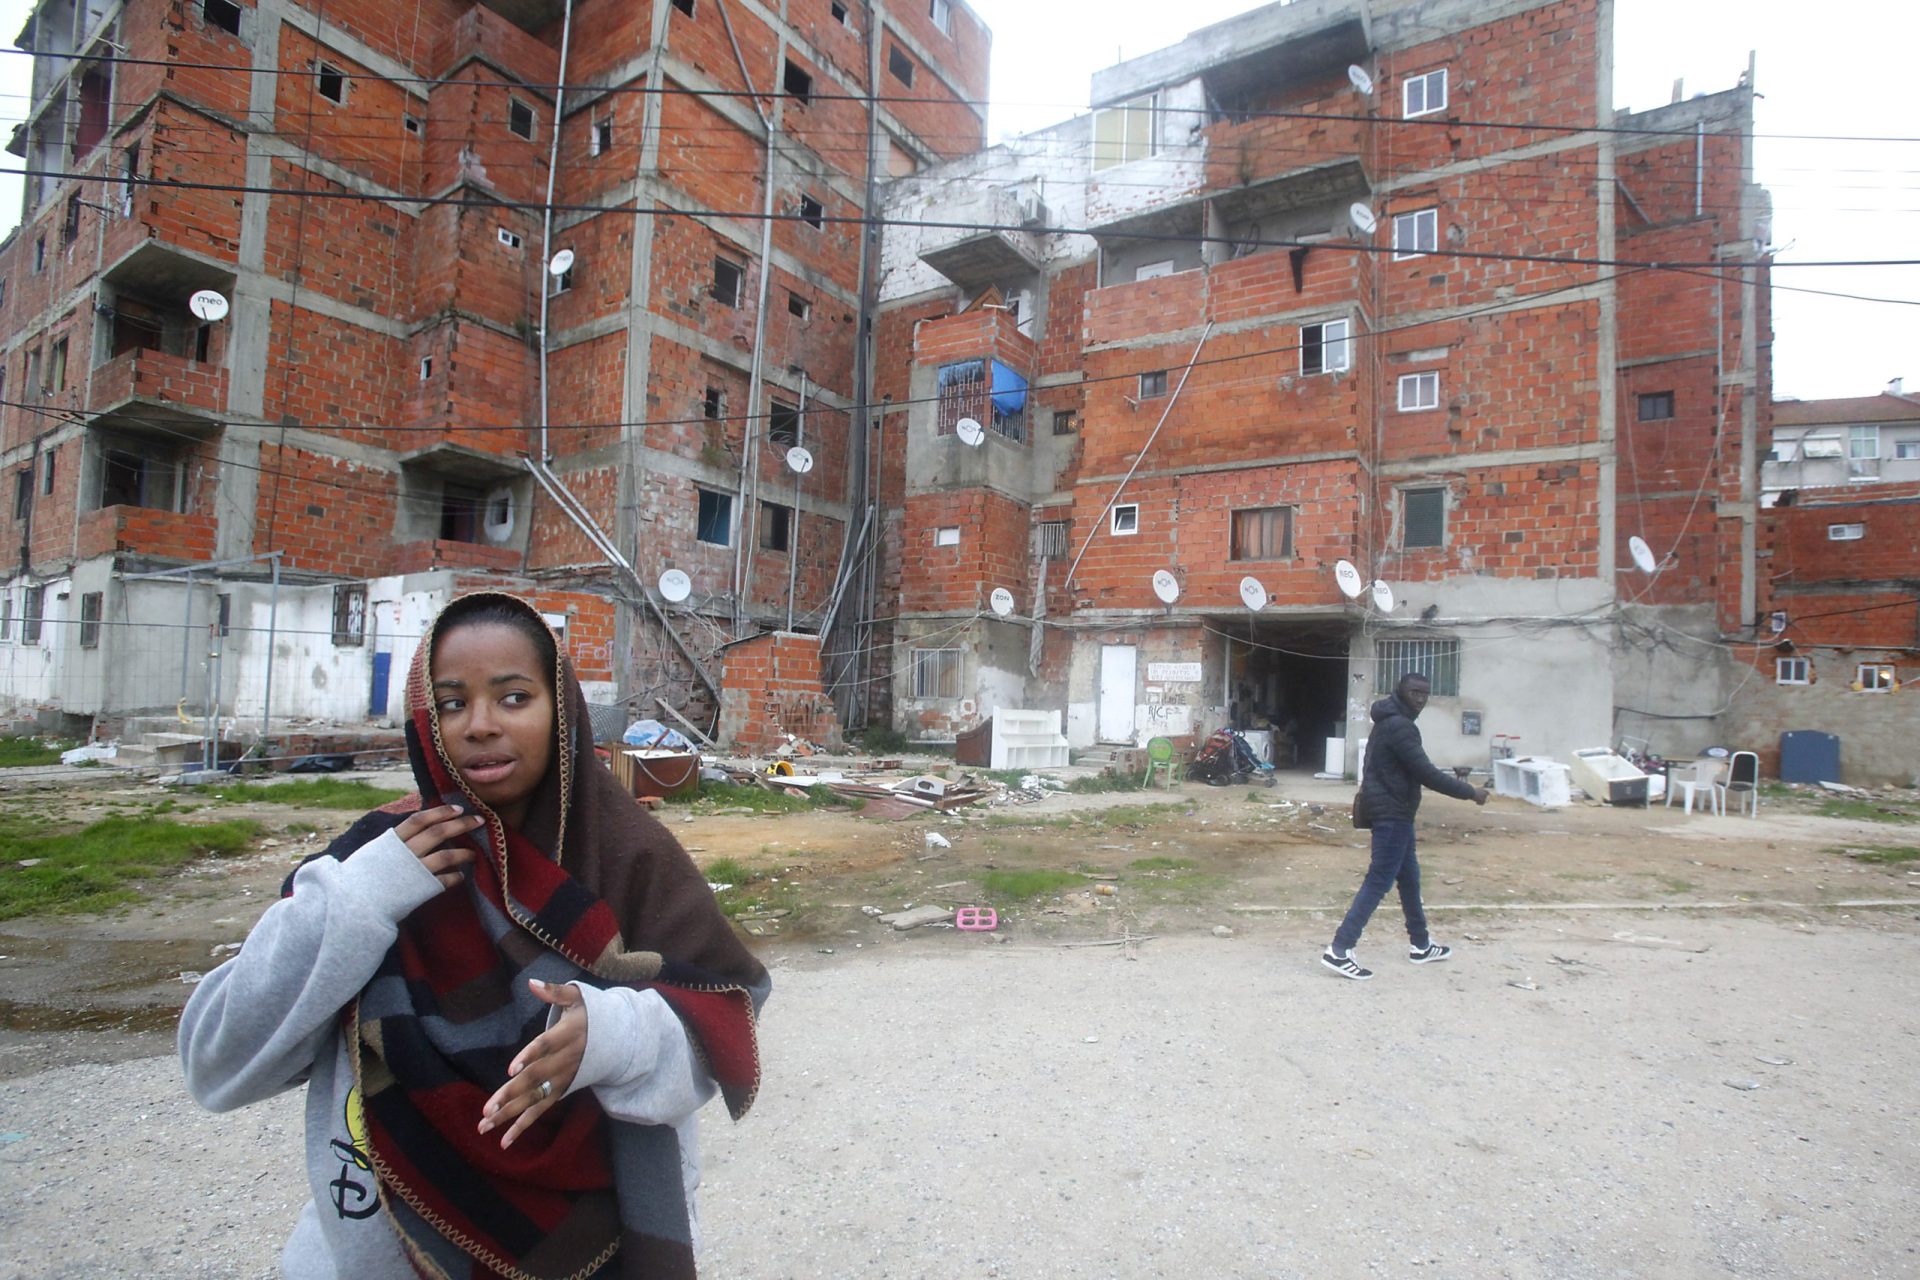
{"type": "Point", "coordinates": [545, 1090]}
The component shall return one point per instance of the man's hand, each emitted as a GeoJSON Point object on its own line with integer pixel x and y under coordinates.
{"type": "Point", "coordinates": [1480, 795]}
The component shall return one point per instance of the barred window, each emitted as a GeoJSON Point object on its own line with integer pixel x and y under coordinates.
{"type": "Point", "coordinates": [350, 613]}
{"type": "Point", "coordinates": [90, 620]}
{"type": "Point", "coordinates": [936, 673]}
{"type": "Point", "coordinates": [1437, 660]}
{"type": "Point", "coordinates": [1050, 539]}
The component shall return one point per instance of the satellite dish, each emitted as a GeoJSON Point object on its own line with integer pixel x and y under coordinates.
{"type": "Point", "coordinates": [1166, 586]}
{"type": "Point", "coordinates": [675, 585]}
{"type": "Point", "coordinates": [1002, 601]}
{"type": "Point", "coordinates": [799, 460]}
{"type": "Point", "coordinates": [1363, 218]}
{"type": "Point", "coordinates": [1642, 554]}
{"type": "Point", "coordinates": [561, 264]}
{"type": "Point", "coordinates": [208, 305]}
{"type": "Point", "coordinates": [970, 431]}
{"type": "Point", "coordinates": [1382, 596]}
{"type": "Point", "coordinates": [1253, 594]}
{"type": "Point", "coordinates": [1358, 77]}
{"type": "Point", "coordinates": [1349, 579]}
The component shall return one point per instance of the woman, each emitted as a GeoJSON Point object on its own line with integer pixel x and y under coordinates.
{"type": "Point", "coordinates": [507, 995]}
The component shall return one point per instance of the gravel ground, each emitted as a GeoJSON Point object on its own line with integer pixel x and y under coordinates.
{"type": "Point", "coordinates": [1216, 1107]}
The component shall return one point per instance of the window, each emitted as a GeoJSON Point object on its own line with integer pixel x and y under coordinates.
{"type": "Point", "coordinates": [46, 471]}
{"type": "Point", "coordinates": [1324, 348]}
{"type": "Point", "coordinates": [57, 367]}
{"type": "Point", "coordinates": [1125, 132]}
{"type": "Point", "coordinates": [1154, 270]}
{"type": "Point", "coordinates": [1422, 95]}
{"type": "Point", "coordinates": [6, 615]}
{"type": "Point", "coordinates": [1050, 540]}
{"type": "Point", "coordinates": [1846, 532]}
{"type": "Point", "coordinates": [1790, 671]}
{"type": "Point", "coordinates": [798, 82]}
{"type": "Point", "coordinates": [901, 162]}
{"type": "Point", "coordinates": [1822, 447]}
{"type": "Point", "coordinates": [1419, 391]}
{"type": "Point", "coordinates": [519, 118]}
{"type": "Point", "coordinates": [839, 12]}
{"type": "Point", "coordinates": [33, 607]}
{"type": "Point", "coordinates": [460, 509]}
{"type": "Point", "coordinates": [223, 14]}
{"type": "Point", "coordinates": [70, 225]}
{"type": "Point", "coordinates": [1064, 423]}
{"type": "Point", "coordinates": [40, 255]}
{"type": "Point", "coordinates": [602, 136]}
{"type": "Point", "coordinates": [511, 239]}
{"type": "Point", "coordinates": [559, 284]}
{"type": "Point", "coordinates": [1262, 533]}
{"type": "Point", "coordinates": [783, 425]}
{"type": "Point", "coordinates": [1423, 517]}
{"type": "Point", "coordinates": [941, 11]}
{"type": "Point", "coordinates": [812, 212]}
{"type": "Point", "coordinates": [899, 65]}
{"type": "Point", "coordinates": [1656, 406]}
{"type": "Point", "coordinates": [34, 385]}
{"type": "Point", "coordinates": [1415, 233]}
{"type": "Point", "coordinates": [350, 613]}
{"type": "Point", "coordinates": [1153, 385]}
{"type": "Point", "coordinates": [776, 524]}
{"type": "Point", "coordinates": [947, 536]}
{"type": "Point", "coordinates": [1126, 519]}
{"type": "Point", "coordinates": [1908, 449]}
{"type": "Point", "coordinates": [727, 279]}
{"type": "Point", "coordinates": [22, 492]}
{"type": "Point", "coordinates": [129, 173]}
{"type": "Point", "coordinates": [798, 307]}
{"type": "Point", "coordinates": [90, 620]}
{"type": "Point", "coordinates": [1875, 677]}
{"type": "Point", "coordinates": [331, 81]}
{"type": "Point", "coordinates": [410, 123]}
{"type": "Point", "coordinates": [223, 614]}
{"type": "Point", "coordinates": [1863, 443]}
{"type": "Point", "coordinates": [713, 405]}
{"type": "Point", "coordinates": [1437, 660]}
{"type": "Point", "coordinates": [716, 518]}
{"type": "Point", "coordinates": [426, 368]}
{"type": "Point", "coordinates": [936, 673]}
{"type": "Point", "coordinates": [140, 474]}
{"type": "Point", "coordinates": [684, 6]}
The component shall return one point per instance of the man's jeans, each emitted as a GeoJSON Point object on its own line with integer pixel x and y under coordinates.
{"type": "Point", "coordinates": [1393, 861]}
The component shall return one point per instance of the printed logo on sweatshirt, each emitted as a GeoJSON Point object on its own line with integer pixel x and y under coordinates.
{"type": "Point", "coordinates": [355, 1191]}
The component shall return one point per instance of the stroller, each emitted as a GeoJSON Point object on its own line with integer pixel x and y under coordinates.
{"type": "Point", "coordinates": [1226, 759]}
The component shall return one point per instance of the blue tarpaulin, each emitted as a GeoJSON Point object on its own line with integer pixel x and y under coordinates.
{"type": "Point", "coordinates": [1009, 391]}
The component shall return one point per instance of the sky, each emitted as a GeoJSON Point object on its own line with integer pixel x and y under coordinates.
{"type": "Point", "coordinates": [1819, 79]}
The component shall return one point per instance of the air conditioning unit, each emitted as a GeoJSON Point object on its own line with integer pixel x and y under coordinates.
{"type": "Point", "coordinates": [1031, 209]}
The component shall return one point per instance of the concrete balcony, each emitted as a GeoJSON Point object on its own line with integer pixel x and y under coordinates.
{"type": "Point", "coordinates": [174, 535]}
{"type": "Point", "coordinates": [1277, 282]}
{"type": "Point", "coordinates": [155, 391]}
{"type": "Point", "coordinates": [975, 259]}
{"type": "Point", "coordinates": [528, 15]}
{"type": "Point", "coordinates": [1271, 164]}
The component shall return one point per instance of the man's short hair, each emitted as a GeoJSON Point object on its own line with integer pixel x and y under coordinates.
{"type": "Point", "coordinates": [1409, 678]}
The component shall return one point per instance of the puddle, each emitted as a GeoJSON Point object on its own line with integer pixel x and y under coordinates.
{"type": "Point", "coordinates": [15, 1016]}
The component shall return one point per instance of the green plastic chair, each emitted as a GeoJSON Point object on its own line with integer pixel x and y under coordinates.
{"type": "Point", "coordinates": [1160, 757]}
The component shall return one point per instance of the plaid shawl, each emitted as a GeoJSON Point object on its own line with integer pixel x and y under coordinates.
{"type": "Point", "coordinates": [594, 890]}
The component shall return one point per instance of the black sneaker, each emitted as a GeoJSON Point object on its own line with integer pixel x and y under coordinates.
{"type": "Point", "coordinates": [1433, 952]}
{"type": "Point", "coordinates": [1345, 966]}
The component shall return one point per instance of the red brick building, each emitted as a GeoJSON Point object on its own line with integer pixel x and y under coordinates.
{"type": "Point", "coordinates": [1331, 282]}
{"type": "Point", "coordinates": [403, 389]}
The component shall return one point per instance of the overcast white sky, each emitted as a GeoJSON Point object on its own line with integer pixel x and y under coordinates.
{"type": "Point", "coordinates": [1819, 76]}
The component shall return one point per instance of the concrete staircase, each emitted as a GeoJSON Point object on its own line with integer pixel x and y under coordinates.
{"type": "Point", "coordinates": [159, 742]}
{"type": "Point", "coordinates": [1100, 757]}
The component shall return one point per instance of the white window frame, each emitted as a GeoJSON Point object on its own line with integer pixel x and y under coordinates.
{"type": "Point", "coordinates": [1875, 677]}
{"type": "Point", "coordinates": [1791, 671]}
{"type": "Point", "coordinates": [1153, 270]}
{"type": "Point", "coordinates": [1414, 244]}
{"type": "Point", "coordinates": [941, 11]}
{"type": "Point", "coordinates": [511, 239]}
{"type": "Point", "coordinates": [1429, 101]}
{"type": "Point", "coordinates": [732, 516]}
{"type": "Point", "coordinates": [1419, 391]}
{"type": "Point", "coordinates": [1906, 450]}
{"type": "Point", "coordinates": [1846, 532]}
{"type": "Point", "coordinates": [1153, 378]}
{"type": "Point", "coordinates": [1435, 658]}
{"type": "Point", "coordinates": [947, 536]}
{"type": "Point", "coordinates": [1329, 345]}
{"type": "Point", "coordinates": [601, 137]}
{"type": "Point", "coordinates": [533, 119]}
{"type": "Point", "coordinates": [1863, 443]}
{"type": "Point", "coordinates": [1147, 104]}
{"type": "Point", "coordinates": [321, 71]}
{"type": "Point", "coordinates": [1124, 521]}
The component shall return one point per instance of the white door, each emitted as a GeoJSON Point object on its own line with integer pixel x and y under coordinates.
{"type": "Point", "coordinates": [1116, 692]}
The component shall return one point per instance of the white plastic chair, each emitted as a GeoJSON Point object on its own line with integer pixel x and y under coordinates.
{"type": "Point", "coordinates": [1701, 779]}
{"type": "Point", "coordinates": [1742, 781]}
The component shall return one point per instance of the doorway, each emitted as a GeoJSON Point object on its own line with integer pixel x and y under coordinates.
{"type": "Point", "coordinates": [1117, 692]}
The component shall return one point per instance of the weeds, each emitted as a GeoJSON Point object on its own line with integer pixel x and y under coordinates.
{"type": "Point", "coordinates": [1103, 782]}
{"type": "Point", "coordinates": [714, 796]}
{"type": "Point", "coordinates": [89, 869]}
{"type": "Point", "coordinates": [18, 753]}
{"type": "Point", "coordinates": [1163, 864]}
{"type": "Point", "coordinates": [883, 740]}
{"type": "Point", "coordinates": [1884, 855]}
{"type": "Point", "coordinates": [1864, 811]}
{"type": "Point", "coordinates": [324, 793]}
{"type": "Point", "coordinates": [1007, 886]}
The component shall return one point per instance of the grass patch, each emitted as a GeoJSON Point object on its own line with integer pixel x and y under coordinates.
{"type": "Point", "coordinates": [1884, 855]}
{"type": "Point", "coordinates": [1163, 864]}
{"type": "Point", "coordinates": [1007, 886]}
{"type": "Point", "coordinates": [725, 795]}
{"type": "Point", "coordinates": [1673, 884]}
{"type": "Point", "coordinates": [883, 740]}
{"type": "Point", "coordinates": [92, 868]}
{"type": "Point", "coordinates": [1098, 783]}
{"type": "Point", "coordinates": [1864, 810]}
{"type": "Point", "coordinates": [748, 891]}
{"type": "Point", "coordinates": [20, 753]}
{"type": "Point", "coordinates": [325, 793]}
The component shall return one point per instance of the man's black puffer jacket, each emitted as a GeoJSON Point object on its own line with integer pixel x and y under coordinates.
{"type": "Point", "coordinates": [1397, 766]}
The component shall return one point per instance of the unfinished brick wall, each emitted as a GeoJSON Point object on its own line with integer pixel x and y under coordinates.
{"type": "Point", "coordinates": [772, 687]}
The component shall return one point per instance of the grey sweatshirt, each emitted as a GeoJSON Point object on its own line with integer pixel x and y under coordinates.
{"type": "Point", "coordinates": [269, 1019]}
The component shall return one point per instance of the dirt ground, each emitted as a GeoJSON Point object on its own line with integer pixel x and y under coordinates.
{"type": "Point", "coordinates": [1667, 1046]}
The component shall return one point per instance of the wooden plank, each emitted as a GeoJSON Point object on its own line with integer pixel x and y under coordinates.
{"type": "Point", "coordinates": [685, 723]}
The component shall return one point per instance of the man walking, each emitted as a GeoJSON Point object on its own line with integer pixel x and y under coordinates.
{"type": "Point", "coordinates": [1396, 768]}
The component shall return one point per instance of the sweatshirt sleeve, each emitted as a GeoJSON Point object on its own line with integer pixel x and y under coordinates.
{"type": "Point", "coordinates": [255, 1024]}
{"type": "Point", "coordinates": [1423, 771]}
{"type": "Point", "coordinates": [638, 1060]}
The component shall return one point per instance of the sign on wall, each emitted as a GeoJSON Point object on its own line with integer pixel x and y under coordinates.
{"type": "Point", "coordinates": [1174, 672]}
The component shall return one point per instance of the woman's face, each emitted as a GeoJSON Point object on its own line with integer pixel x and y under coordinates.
{"type": "Point", "coordinates": [496, 713]}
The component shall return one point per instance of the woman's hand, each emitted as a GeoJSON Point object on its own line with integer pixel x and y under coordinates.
{"type": "Point", "coordinates": [428, 832]}
{"type": "Point", "coordinates": [551, 1058]}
